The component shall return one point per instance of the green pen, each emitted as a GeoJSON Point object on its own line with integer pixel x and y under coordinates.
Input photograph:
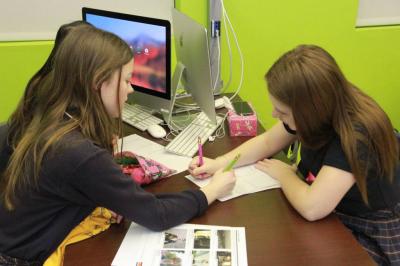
{"type": "Point", "coordinates": [231, 163]}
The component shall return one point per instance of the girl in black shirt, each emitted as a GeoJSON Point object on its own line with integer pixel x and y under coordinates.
{"type": "Point", "coordinates": [349, 152]}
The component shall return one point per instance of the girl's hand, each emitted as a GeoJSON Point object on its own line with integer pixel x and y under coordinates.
{"type": "Point", "coordinates": [116, 217]}
{"type": "Point", "coordinates": [276, 168]}
{"type": "Point", "coordinates": [220, 185]}
{"type": "Point", "coordinates": [208, 168]}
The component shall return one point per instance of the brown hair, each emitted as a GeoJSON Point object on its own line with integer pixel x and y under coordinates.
{"type": "Point", "coordinates": [309, 81]}
{"type": "Point", "coordinates": [22, 114]}
{"type": "Point", "coordinates": [86, 58]}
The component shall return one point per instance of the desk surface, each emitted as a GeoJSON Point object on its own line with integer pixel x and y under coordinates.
{"type": "Point", "coordinates": [276, 234]}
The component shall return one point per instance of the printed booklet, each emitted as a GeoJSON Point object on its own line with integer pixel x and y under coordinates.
{"type": "Point", "coordinates": [187, 244]}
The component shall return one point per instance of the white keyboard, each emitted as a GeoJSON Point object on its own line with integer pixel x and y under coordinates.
{"type": "Point", "coordinates": [186, 143]}
{"type": "Point", "coordinates": [139, 116]}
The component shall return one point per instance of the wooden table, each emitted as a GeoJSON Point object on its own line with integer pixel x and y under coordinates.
{"type": "Point", "coordinates": [276, 234]}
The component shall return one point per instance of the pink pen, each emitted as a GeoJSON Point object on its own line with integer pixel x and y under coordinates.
{"type": "Point", "coordinates": [200, 152]}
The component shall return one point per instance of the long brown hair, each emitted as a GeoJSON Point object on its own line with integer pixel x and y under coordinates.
{"type": "Point", "coordinates": [22, 114]}
{"type": "Point", "coordinates": [324, 103]}
{"type": "Point", "coordinates": [86, 58]}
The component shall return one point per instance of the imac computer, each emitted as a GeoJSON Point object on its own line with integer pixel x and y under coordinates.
{"type": "Point", "coordinates": [150, 40]}
{"type": "Point", "coordinates": [193, 62]}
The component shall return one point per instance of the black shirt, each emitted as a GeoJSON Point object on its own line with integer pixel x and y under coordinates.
{"type": "Point", "coordinates": [78, 177]}
{"type": "Point", "coordinates": [381, 193]}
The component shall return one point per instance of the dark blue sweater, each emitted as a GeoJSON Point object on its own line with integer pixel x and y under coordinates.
{"type": "Point", "coordinates": [76, 178]}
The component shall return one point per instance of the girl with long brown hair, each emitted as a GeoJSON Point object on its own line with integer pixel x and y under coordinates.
{"type": "Point", "coordinates": [349, 151]}
{"type": "Point", "coordinates": [56, 165]}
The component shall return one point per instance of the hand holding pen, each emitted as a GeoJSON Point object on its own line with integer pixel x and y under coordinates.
{"type": "Point", "coordinates": [210, 166]}
{"type": "Point", "coordinates": [222, 183]}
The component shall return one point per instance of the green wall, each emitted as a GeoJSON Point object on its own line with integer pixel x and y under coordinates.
{"type": "Point", "coordinates": [18, 62]}
{"type": "Point", "coordinates": [369, 57]}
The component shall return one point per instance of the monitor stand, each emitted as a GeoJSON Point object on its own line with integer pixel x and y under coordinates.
{"type": "Point", "coordinates": [176, 122]}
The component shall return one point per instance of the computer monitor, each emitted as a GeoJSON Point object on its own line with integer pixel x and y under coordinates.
{"type": "Point", "coordinates": [150, 40]}
{"type": "Point", "coordinates": [193, 61]}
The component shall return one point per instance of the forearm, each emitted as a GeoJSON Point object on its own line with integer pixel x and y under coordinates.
{"type": "Point", "coordinates": [167, 210]}
{"type": "Point", "coordinates": [211, 193]}
{"type": "Point", "coordinates": [250, 151]}
{"type": "Point", "coordinates": [299, 195]}
{"type": "Point", "coordinates": [263, 146]}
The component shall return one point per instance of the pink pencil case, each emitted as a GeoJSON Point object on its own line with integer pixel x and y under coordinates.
{"type": "Point", "coordinates": [142, 170]}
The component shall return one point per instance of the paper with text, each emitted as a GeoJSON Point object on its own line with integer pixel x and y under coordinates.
{"type": "Point", "coordinates": [248, 180]}
{"type": "Point", "coordinates": [187, 244]}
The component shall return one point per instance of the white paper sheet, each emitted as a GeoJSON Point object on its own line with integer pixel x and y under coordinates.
{"type": "Point", "coordinates": [155, 151]}
{"type": "Point", "coordinates": [187, 244]}
{"type": "Point", "coordinates": [248, 180]}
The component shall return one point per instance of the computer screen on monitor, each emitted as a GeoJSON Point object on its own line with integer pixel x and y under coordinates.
{"type": "Point", "coordinates": [150, 40]}
{"type": "Point", "coordinates": [193, 60]}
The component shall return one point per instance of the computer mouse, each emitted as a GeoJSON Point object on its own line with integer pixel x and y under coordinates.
{"type": "Point", "coordinates": [156, 131]}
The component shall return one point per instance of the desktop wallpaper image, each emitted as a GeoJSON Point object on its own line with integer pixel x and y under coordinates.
{"type": "Point", "coordinates": [149, 63]}
{"type": "Point", "coordinates": [148, 44]}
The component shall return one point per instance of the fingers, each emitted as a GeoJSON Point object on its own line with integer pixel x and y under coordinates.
{"type": "Point", "coordinates": [260, 166]}
{"type": "Point", "coordinates": [199, 172]}
{"type": "Point", "coordinates": [264, 165]}
{"type": "Point", "coordinates": [269, 162]}
{"type": "Point", "coordinates": [193, 167]}
{"type": "Point", "coordinates": [116, 217]}
{"type": "Point", "coordinates": [202, 176]}
{"type": "Point", "coordinates": [202, 170]}
{"type": "Point", "coordinates": [226, 181]}
{"type": "Point", "coordinates": [113, 214]}
{"type": "Point", "coordinates": [220, 185]}
{"type": "Point", "coordinates": [194, 163]}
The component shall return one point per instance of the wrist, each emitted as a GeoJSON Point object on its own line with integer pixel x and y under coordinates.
{"type": "Point", "coordinates": [222, 160]}
{"type": "Point", "coordinates": [287, 177]}
{"type": "Point", "coordinates": [210, 193]}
